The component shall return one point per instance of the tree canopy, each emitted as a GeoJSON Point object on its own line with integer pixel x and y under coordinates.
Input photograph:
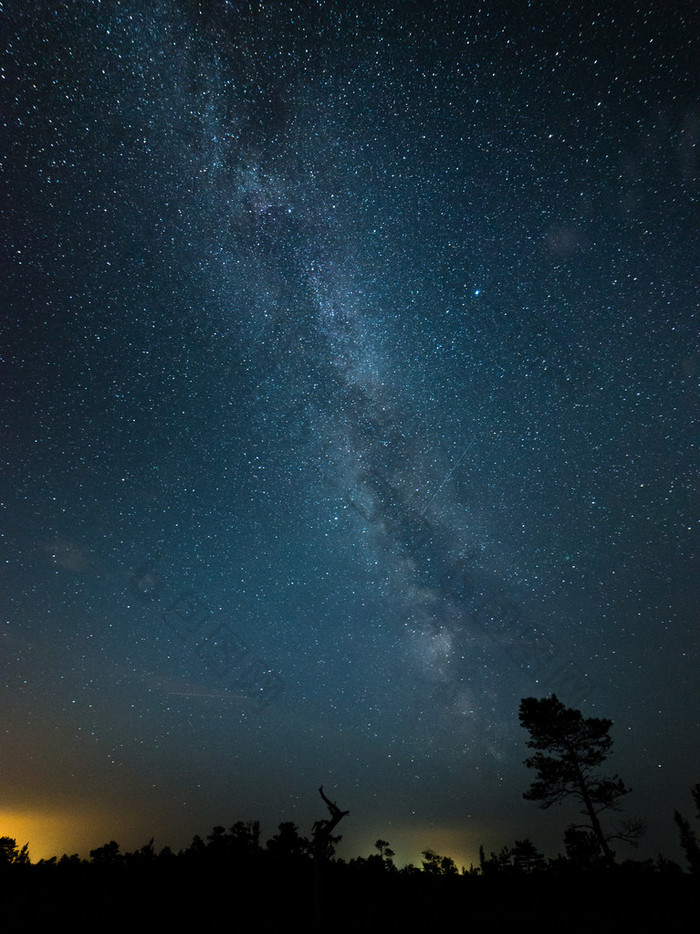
{"type": "Point", "coordinates": [570, 748]}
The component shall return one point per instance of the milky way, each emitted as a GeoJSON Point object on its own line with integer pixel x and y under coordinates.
{"type": "Point", "coordinates": [348, 367]}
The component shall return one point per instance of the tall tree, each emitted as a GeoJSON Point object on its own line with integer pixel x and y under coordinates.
{"type": "Point", "coordinates": [570, 749]}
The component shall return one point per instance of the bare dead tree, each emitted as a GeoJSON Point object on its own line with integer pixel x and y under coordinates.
{"type": "Point", "coordinates": [323, 839]}
{"type": "Point", "coordinates": [323, 843]}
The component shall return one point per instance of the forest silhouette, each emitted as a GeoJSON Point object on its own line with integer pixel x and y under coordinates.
{"type": "Point", "coordinates": [296, 882]}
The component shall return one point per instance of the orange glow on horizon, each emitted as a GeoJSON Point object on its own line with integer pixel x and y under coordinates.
{"type": "Point", "coordinates": [79, 829]}
{"type": "Point", "coordinates": [55, 832]}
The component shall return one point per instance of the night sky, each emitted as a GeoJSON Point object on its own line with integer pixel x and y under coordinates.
{"type": "Point", "coordinates": [348, 396]}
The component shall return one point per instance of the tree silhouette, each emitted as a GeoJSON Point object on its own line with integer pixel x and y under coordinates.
{"type": "Point", "coordinates": [323, 840]}
{"type": "Point", "coordinates": [522, 857]}
{"type": "Point", "coordinates": [496, 862]}
{"type": "Point", "coordinates": [108, 854]}
{"type": "Point", "coordinates": [437, 865]}
{"type": "Point", "coordinates": [287, 843]}
{"type": "Point", "coordinates": [689, 841]}
{"type": "Point", "coordinates": [11, 854]}
{"type": "Point", "coordinates": [570, 748]}
{"type": "Point", "coordinates": [323, 844]}
{"type": "Point", "coordinates": [526, 857]}
{"type": "Point", "coordinates": [240, 844]}
{"type": "Point", "coordinates": [386, 854]}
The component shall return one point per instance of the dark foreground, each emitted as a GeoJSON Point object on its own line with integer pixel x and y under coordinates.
{"type": "Point", "coordinates": [355, 898]}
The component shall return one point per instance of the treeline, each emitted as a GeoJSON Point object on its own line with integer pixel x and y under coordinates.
{"type": "Point", "coordinates": [239, 849]}
{"type": "Point", "coordinates": [296, 882]}
{"type": "Point", "coordinates": [230, 877]}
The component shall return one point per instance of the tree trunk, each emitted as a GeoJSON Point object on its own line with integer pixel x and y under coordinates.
{"type": "Point", "coordinates": [590, 810]}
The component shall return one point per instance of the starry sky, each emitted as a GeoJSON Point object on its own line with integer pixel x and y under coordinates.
{"type": "Point", "coordinates": [348, 396]}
